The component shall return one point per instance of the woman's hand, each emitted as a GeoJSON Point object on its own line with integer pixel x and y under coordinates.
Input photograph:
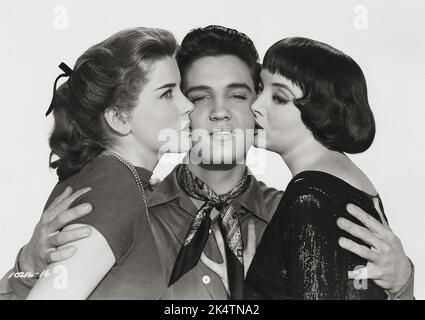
{"type": "Point", "coordinates": [388, 265]}
{"type": "Point", "coordinates": [42, 248]}
{"type": "Point", "coordinates": [221, 268]}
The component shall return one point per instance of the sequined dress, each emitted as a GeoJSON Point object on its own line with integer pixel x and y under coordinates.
{"type": "Point", "coordinates": [299, 256]}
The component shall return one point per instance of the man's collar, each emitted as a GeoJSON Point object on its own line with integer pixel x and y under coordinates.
{"type": "Point", "coordinates": [251, 200]}
{"type": "Point", "coordinates": [166, 191]}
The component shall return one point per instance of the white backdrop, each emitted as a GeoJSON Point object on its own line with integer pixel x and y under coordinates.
{"type": "Point", "coordinates": [384, 37]}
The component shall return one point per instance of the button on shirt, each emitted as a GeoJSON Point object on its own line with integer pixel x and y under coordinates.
{"type": "Point", "coordinates": [172, 212]}
{"type": "Point", "coordinates": [206, 279]}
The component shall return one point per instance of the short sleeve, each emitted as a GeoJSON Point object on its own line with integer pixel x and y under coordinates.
{"type": "Point", "coordinates": [114, 215]}
{"type": "Point", "coordinates": [116, 202]}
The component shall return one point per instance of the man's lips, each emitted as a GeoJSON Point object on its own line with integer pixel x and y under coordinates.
{"type": "Point", "coordinates": [221, 131]}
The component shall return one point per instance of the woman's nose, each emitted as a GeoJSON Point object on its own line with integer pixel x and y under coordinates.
{"type": "Point", "coordinates": [256, 107]}
{"type": "Point", "coordinates": [188, 106]}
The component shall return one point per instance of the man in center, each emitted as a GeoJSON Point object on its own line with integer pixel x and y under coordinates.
{"type": "Point", "coordinates": [220, 69]}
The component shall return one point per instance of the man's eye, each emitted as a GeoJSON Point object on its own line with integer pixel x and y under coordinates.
{"type": "Point", "coordinates": [167, 94]}
{"type": "Point", "coordinates": [198, 99]}
{"type": "Point", "coordinates": [280, 100]}
{"type": "Point", "coordinates": [239, 97]}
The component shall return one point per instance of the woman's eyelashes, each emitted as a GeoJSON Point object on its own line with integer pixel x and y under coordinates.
{"type": "Point", "coordinates": [167, 94]}
{"type": "Point", "coordinates": [279, 99]}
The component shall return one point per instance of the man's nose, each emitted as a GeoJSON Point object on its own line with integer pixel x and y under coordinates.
{"type": "Point", "coordinates": [220, 112]}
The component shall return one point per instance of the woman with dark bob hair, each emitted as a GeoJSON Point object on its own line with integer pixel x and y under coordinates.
{"type": "Point", "coordinates": [109, 117]}
{"type": "Point", "coordinates": [312, 110]}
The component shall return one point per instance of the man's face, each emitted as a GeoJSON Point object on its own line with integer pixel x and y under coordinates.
{"type": "Point", "coordinates": [222, 91]}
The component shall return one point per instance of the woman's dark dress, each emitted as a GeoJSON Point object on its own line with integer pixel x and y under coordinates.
{"type": "Point", "coordinates": [299, 256]}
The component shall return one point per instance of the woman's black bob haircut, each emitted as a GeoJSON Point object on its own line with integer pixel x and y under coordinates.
{"type": "Point", "coordinates": [334, 105]}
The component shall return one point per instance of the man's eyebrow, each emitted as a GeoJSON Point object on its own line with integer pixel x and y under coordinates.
{"type": "Point", "coordinates": [241, 85]}
{"type": "Point", "coordinates": [167, 85]}
{"type": "Point", "coordinates": [282, 86]}
{"type": "Point", "coordinates": [196, 88]}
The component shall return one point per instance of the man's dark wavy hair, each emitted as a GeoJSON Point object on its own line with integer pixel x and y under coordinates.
{"type": "Point", "coordinates": [217, 41]}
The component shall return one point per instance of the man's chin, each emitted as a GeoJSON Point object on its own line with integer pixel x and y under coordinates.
{"type": "Point", "coordinates": [218, 159]}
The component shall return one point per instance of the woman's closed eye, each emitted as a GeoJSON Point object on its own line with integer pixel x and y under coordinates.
{"type": "Point", "coordinates": [280, 100]}
{"type": "Point", "coordinates": [167, 94]}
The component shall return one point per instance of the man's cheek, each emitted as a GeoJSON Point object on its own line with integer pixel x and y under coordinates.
{"type": "Point", "coordinates": [248, 123]}
{"type": "Point", "coordinates": [198, 119]}
{"type": "Point", "coordinates": [248, 118]}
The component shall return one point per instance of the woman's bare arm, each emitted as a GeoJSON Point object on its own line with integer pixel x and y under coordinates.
{"type": "Point", "coordinates": [78, 276]}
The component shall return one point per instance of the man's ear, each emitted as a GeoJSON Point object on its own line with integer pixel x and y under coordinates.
{"type": "Point", "coordinates": [118, 120]}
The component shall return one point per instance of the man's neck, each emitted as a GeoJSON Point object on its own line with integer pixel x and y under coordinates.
{"type": "Point", "coordinates": [221, 178]}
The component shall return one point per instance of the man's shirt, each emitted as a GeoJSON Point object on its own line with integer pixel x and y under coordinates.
{"type": "Point", "coordinates": [172, 212]}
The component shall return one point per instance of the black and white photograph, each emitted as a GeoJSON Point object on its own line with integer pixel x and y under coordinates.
{"type": "Point", "coordinates": [233, 151]}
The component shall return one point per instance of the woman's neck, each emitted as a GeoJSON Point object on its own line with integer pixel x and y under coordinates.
{"type": "Point", "coordinates": [140, 157]}
{"type": "Point", "coordinates": [311, 155]}
{"type": "Point", "coordinates": [221, 178]}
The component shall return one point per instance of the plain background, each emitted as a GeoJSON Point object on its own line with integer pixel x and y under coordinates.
{"type": "Point", "coordinates": [384, 37]}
